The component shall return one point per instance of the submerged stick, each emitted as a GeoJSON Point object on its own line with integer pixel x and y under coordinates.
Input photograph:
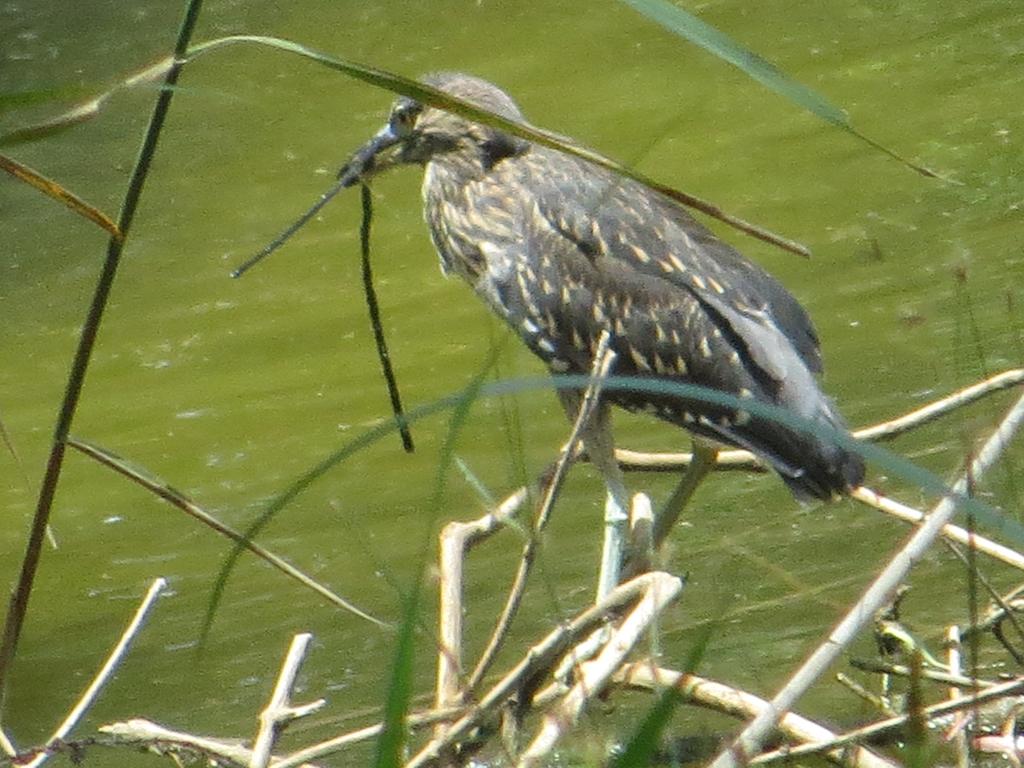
{"type": "Point", "coordinates": [378, 328]}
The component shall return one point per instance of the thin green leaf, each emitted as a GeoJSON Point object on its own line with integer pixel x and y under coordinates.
{"type": "Point", "coordinates": [691, 28]}
{"type": "Point", "coordinates": [86, 110]}
{"type": "Point", "coordinates": [643, 744]}
{"type": "Point", "coordinates": [441, 100]}
{"type": "Point", "coordinates": [459, 402]}
{"type": "Point", "coordinates": [892, 463]}
{"type": "Point", "coordinates": [52, 189]}
{"type": "Point", "coordinates": [698, 32]}
{"type": "Point", "coordinates": [20, 99]}
{"type": "Point", "coordinates": [18, 606]}
{"type": "Point", "coordinates": [391, 742]}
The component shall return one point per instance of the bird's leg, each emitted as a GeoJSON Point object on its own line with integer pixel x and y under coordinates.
{"type": "Point", "coordinates": [704, 458]}
{"type": "Point", "coordinates": [600, 447]}
{"type": "Point", "coordinates": [596, 436]}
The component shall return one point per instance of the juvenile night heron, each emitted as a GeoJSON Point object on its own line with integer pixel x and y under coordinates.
{"type": "Point", "coordinates": [563, 250]}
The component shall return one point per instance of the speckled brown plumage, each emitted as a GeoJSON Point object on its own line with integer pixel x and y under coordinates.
{"type": "Point", "coordinates": [563, 250]}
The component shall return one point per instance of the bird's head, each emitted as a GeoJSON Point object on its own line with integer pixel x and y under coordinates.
{"type": "Point", "coordinates": [418, 134]}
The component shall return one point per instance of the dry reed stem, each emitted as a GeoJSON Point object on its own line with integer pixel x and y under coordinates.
{"type": "Point", "coordinates": [539, 659]}
{"type": "Point", "coordinates": [279, 710]}
{"type": "Point", "coordinates": [594, 675]}
{"type": "Point", "coordinates": [878, 594]}
{"type": "Point", "coordinates": [189, 507]}
{"type": "Point", "coordinates": [732, 701]}
{"type": "Point", "coordinates": [603, 359]}
{"type": "Point", "coordinates": [103, 676]}
{"type": "Point", "coordinates": [934, 712]}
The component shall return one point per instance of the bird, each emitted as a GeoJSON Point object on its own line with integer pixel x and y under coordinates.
{"type": "Point", "coordinates": [564, 251]}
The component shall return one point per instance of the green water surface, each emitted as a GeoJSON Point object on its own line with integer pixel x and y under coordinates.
{"type": "Point", "coordinates": [231, 390]}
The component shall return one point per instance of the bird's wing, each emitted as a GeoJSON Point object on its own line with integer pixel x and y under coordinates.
{"type": "Point", "coordinates": [622, 221]}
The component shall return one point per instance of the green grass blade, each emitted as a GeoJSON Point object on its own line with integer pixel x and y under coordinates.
{"type": "Point", "coordinates": [391, 742]}
{"type": "Point", "coordinates": [18, 605]}
{"type": "Point", "coordinates": [691, 28]}
{"type": "Point", "coordinates": [643, 744]}
{"type": "Point", "coordinates": [88, 109]}
{"type": "Point", "coordinates": [431, 96]}
{"type": "Point", "coordinates": [716, 42]}
{"type": "Point", "coordinates": [892, 463]}
{"type": "Point", "coordinates": [13, 100]}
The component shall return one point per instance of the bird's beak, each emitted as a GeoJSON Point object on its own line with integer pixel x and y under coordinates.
{"type": "Point", "coordinates": [368, 159]}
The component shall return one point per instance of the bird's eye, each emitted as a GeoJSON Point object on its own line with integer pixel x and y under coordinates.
{"type": "Point", "coordinates": [403, 118]}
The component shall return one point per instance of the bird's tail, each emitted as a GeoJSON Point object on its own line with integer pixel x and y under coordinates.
{"type": "Point", "coordinates": [811, 461]}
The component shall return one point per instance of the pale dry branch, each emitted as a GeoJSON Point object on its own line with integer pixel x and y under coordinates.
{"type": "Point", "coordinates": [141, 732]}
{"type": "Point", "coordinates": [933, 713]}
{"type": "Point", "coordinates": [603, 359]}
{"type": "Point", "coordinates": [455, 540]}
{"type": "Point", "coordinates": [732, 701]}
{"type": "Point", "coordinates": [330, 746]}
{"type": "Point", "coordinates": [539, 659]}
{"type": "Point", "coordinates": [104, 675]}
{"type": "Point", "coordinates": [951, 532]}
{"type": "Point", "coordinates": [594, 675]}
{"type": "Point", "coordinates": [878, 594]}
{"type": "Point", "coordinates": [7, 745]}
{"type": "Point", "coordinates": [927, 413]}
{"type": "Point", "coordinates": [279, 710]}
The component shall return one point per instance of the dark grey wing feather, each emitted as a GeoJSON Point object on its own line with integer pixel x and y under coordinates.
{"type": "Point", "coordinates": [656, 236]}
{"type": "Point", "coordinates": [787, 313]}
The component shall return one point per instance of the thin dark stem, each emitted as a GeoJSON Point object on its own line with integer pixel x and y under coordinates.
{"type": "Point", "coordinates": [283, 238]}
{"type": "Point", "coordinates": [87, 340]}
{"type": "Point", "coordinates": [378, 328]}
